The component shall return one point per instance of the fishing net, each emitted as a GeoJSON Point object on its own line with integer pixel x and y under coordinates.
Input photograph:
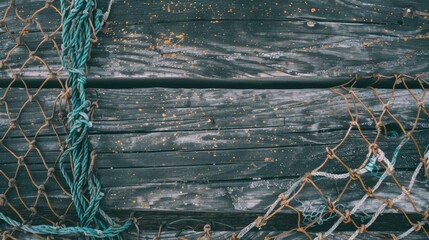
{"type": "Point", "coordinates": [51, 189]}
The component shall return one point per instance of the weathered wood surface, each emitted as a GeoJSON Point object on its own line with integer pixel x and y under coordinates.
{"type": "Point", "coordinates": [263, 43]}
{"type": "Point", "coordinates": [214, 153]}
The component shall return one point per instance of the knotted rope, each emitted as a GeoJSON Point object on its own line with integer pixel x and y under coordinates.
{"type": "Point", "coordinates": [81, 22]}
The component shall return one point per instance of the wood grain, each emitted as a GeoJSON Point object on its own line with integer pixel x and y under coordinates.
{"type": "Point", "coordinates": [232, 43]}
{"type": "Point", "coordinates": [191, 152]}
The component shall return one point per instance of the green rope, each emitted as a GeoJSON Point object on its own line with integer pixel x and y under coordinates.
{"type": "Point", "coordinates": [84, 186]}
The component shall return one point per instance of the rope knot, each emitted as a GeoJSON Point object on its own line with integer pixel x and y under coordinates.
{"type": "Point", "coordinates": [346, 217]}
{"type": "Point", "coordinates": [389, 203]}
{"type": "Point", "coordinates": [3, 200]}
{"type": "Point", "coordinates": [233, 237]}
{"type": "Point", "coordinates": [307, 177]}
{"type": "Point", "coordinates": [260, 222]}
{"type": "Point", "coordinates": [32, 144]}
{"type": "Point", "coordinates": [331, 206]}
{"type": "Point", "coordinates": [21, 160]}
{"type": "Point", "coordinates": [331, 153]}
{"type": "Point", "coordinates": [12, 182]}
{"type": "Point", "coordinates": [369, 192]}
{"type": "Point", "coordinates": [405, 191]}
{"type": "Point", "coordinates": [418, 226]}
{"type": "Point", "coordinates": [361, 229]}
{"type": "Point", "coordinates": [33, 212]}
{"type": "Point", "coordinates": [40, 189]}
{"type": "Point", "coordinates": [385, 106]}
{"type": "Point", "coordinates": [51, 172]}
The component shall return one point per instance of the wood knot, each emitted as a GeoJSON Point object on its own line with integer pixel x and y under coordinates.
{"type": "Point", "coordinates": [311, 24]}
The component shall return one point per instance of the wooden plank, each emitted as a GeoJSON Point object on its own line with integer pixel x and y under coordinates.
{"type": "Point", "coordinates": [238, 203]}
{"type": "Point", "coordinates": [183, 110]}
{"type": "Point", "coordinates": [253, 44]}
{"type": "Point", "coordinates": [188, 152]}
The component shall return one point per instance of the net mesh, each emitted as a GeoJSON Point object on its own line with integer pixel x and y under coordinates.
{"type": "Point", "coordinates": [376, 162]}
{"type": "Point", "coordinates": [27, 164]}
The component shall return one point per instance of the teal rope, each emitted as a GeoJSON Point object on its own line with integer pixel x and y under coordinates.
{"type": "Point", "coordinates": [94, 222]}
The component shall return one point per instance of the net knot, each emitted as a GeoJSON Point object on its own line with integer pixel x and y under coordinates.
{"type": "Point", "coordinates": [3, 200]}
{"type": "Point", "coordinates": [331, 206]}
{"type": "Point", "coordinates": [389, 203]}
{"type": "Point", "coordinates": [29, 20]}
{"type": "Point", "coordinates": [421, 104]}
{"type": "Point", "coordinates": [33, 212]}
{"type": "Point", "coordinates": [346, 216]}
{"type": "Point", "coordinates": [41, 189]}
{"type": "Point", "coordinates": [48, 3]}
{"type": "Point", "coordinates": [405, 191]}
{"type": "Point", "coordinates": [379, 124]}
{"type": "Point", "coordinates": [233, 237]}
{"type": "Point", "coordinates": [418, 226]}
{"type": "Point", "coordinates": [353, 123]}
{"type": "Point", "coordinates": [373, 148]}
{"type": "Point", "coordinates": [369, 192]}
{"type": "Point", "coordinates": [353, 175]}
{"type": "Point", "coordinates": [260, 222]}
{"type": "Point", "coordinates": [32, 144]}
{"type": "Point", "coordinates": [331, 153]}
{"type": "Point", "coordinates": [21, 160]}
{"type": "Point", "coordinates": [306, 178]}
{"type": "Point", "coordinates": [51, 172]}
{"type": "Point", "coordinates": [12, 182]}
{"type": "Point", "coordinates": [361, 229]}
{"type": "Point", "coordinates": [13, 122]}
{"type": "Point", "coordinates": [300, 229]}
{"type": "Point", "coordinates": [18, 40]}
{"type": "Point", "coordinates": [385, 106]}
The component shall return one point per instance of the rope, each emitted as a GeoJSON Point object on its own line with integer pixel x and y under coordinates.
{"type": "Point", "coordinates": [78, 31]}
